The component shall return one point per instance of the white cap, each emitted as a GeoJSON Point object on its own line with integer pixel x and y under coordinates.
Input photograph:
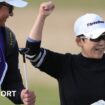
{"type": "Point", "coordinates": [90, 25]}
{"type": "Point", "coordinates": [15, 3]}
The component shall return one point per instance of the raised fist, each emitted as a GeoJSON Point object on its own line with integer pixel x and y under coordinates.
{"type": "Point", "coordinates": [46, 8]}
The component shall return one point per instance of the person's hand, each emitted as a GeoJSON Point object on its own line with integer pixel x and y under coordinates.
{"type": "Point", "coordinates": [46, 8]}
{"type": "Point", "coordinates": [28, 97]}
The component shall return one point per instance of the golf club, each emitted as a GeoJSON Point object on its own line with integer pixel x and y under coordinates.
{"type": "Point", "coordinates": [23, 52]}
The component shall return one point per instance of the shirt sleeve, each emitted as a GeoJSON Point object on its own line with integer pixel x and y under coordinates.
{"type": "Point", "coordinates": [48, 61]}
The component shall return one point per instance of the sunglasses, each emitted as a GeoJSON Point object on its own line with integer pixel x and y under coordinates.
{"type": "Point", "coordinates": [10, 7]}
{"type": "Point", "coordinates": [102, 37]}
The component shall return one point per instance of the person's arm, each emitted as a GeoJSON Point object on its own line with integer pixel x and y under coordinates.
{"type": "Point", "coordinates": [44, 11]}
{"type": "Point", "coordinates": [45, 60]}
{"type": "Point", "coordinates": [34, 53]}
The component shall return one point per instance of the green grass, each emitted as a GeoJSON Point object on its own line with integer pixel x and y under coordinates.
{"type": "Point", "coordinates": [5, 101]}
{"type": "Point", "coordinates": [46, 95]}
{"type": "Point", "coordinates": [98, 4]}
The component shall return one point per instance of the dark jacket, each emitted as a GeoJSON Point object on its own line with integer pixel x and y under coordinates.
{"type": "Point", "coordinates": [13, 79]}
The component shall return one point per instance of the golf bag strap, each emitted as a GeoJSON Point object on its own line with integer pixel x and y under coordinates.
{"type": "Point", "coordinates": [10, 41]}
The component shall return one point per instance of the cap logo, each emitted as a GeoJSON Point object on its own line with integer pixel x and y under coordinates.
{"type": "Point", "coordinates": [96, 22]}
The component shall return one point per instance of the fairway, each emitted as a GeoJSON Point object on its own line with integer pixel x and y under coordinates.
{"type": "Point", "coordinates": [73, 3]}
{"type": "Point", "coordinates": [58, 35]}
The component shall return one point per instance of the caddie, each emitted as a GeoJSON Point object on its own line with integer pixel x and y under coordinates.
{"type": "Point", "coordinates": [10, 77]}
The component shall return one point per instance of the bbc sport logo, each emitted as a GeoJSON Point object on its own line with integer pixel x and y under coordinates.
{"type": "Point", "coordinates": [8, 93]}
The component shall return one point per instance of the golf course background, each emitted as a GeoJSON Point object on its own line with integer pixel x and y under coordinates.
{"type": "Point", "coordinates": [58, 35]}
